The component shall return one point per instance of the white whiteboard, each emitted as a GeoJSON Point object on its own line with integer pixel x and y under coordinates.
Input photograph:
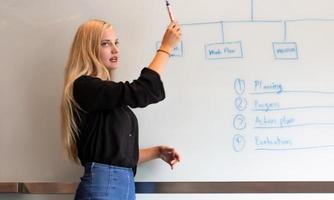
{"type": "Point", "coordinates": [231, 50]}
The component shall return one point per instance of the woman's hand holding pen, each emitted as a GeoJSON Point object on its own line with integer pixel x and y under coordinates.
{"type": "Point", "coordinates": [171, 37]}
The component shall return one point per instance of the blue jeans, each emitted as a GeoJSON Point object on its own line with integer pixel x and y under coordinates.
{"type": "Point", "coordinates": [106, 182]}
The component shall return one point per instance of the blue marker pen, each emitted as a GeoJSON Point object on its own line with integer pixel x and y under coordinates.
{"type": "Point", "coordinates": [169, 9]}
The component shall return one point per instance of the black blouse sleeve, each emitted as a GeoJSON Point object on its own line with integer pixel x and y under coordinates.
{"type": "Point", "coordinates": [95, 94]}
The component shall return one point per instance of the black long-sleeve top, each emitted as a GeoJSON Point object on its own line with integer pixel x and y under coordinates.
{"type": "Point", "coordinates": [108, 129]}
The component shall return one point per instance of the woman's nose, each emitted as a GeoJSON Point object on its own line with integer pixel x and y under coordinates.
{"type": "Point", "coordinates": [114, 49]}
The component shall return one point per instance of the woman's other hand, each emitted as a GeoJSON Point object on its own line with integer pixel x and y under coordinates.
{"type": "Point", "coordinates": [169, 155]}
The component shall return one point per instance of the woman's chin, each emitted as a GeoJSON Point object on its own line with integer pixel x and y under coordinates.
{"type": "Point", "coordinates": [112, 67]}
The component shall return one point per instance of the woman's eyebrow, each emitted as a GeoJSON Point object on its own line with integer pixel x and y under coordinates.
{"type": "Point", "coordinates": [106, 40]}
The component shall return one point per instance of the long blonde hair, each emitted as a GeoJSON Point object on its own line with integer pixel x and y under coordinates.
{"type": "Point", "coordinates": [84, 59]}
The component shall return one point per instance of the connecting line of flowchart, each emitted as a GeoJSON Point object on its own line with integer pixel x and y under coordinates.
{"type": "Point", "coordinates": [283, 50]}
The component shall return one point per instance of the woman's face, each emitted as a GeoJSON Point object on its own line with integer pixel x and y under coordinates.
{"type": "Point", "coordinates": [109, 51]}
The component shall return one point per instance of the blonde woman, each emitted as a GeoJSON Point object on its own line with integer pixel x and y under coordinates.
{"type": "Point", "coordinates": [99, 130]}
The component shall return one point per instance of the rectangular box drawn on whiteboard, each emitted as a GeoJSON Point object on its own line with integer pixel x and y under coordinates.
{"type": "Point", "coordinates": [285, 50]}
{"type": "Point", "coordinates": [223, 50]}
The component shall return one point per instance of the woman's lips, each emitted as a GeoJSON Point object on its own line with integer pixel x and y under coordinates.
{"type": "Point", "coordinates": [113, 59]}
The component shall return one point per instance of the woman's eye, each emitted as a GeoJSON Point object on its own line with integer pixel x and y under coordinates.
{"type": "Point", "coordinates": [104, 44]}
{"type": "Point", "coordinates": [108, 43]}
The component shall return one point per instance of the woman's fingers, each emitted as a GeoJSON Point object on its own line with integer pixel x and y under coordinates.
{"type": "Point", "coordinates": [170, 155]}
{"type": "Point", "coordinates": [172, 36]}
{"type": "Point", "coordinates": [174, 26]}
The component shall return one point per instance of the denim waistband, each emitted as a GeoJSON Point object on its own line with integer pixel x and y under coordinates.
{"type": "Point", "coordinates": [91, 165]}
{"type": "Point", "coordinates": [106, 181]}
